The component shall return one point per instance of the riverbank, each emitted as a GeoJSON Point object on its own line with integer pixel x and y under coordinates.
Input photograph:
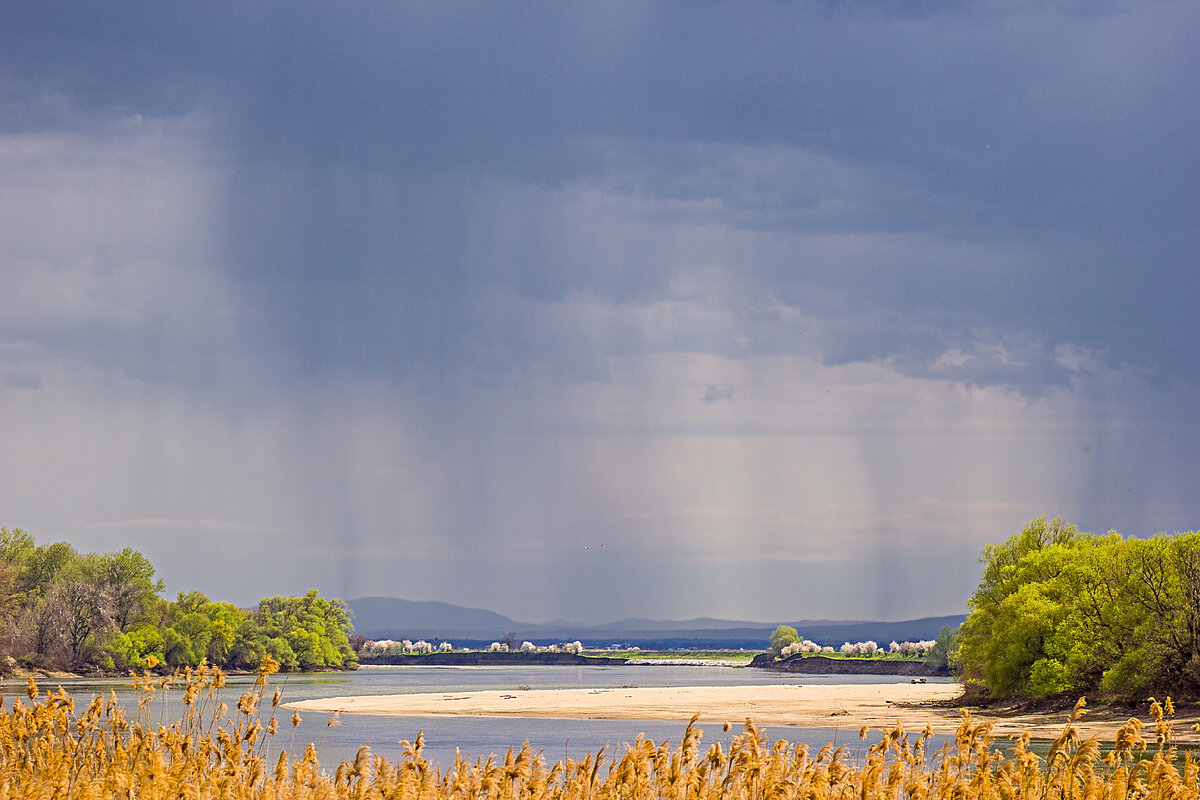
{"type": "Point", "coordinates": [487, 658]}
{"type": "Point", "coordinates": [844, 706]}
{"type": "Point", "coordinates": [46, 675]}
{"type": "Point", "coordinates": [824, 665]}
{"type": "Point", "coordinates": [738, 663]}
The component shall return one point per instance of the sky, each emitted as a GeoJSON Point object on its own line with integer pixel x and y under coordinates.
{"type": "Point", "coordinates": [584, 311]}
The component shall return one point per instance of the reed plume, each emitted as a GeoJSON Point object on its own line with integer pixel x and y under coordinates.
{"type": "Point", "coordinates": [49, 749]}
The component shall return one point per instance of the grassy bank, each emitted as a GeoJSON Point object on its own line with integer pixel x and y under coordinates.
{"type": "Point", "coordinates": [873, 657]}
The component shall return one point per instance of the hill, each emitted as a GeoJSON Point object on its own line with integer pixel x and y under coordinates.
{"type": "Point", "coordinates": [393, 618]}
{"type": "Point", "coordinates": [388, 617]}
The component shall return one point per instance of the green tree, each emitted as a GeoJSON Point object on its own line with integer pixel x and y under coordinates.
{"type": "Point", "coordinates": [1059, 612]}
{"type": "Point", "coordinates": [315, 629]}
{"type": "Point", "coordinates": [185, 642]}
{"type": "Point", "coordinates": [132, 588]}
{"type": "Point", "coordinates": [781, 638]}
{"type": "Point", "coordinates": [201, 629]}
{"type": "Point", "coordinates": [15, 545]}
{"type": "Point", "coordinates": [42, 564]}
{"type": "Point", "coordinates": [225, 620]}
{"type": "Point", "coordinates": [250, 645]}
{"type": "Point", "coordinates": [1002, 634]}
{"type": "Point", "coordinates": [60, 608]}
{"type": "Point", "coordinates": [188, 630]}
{"type": "Point", "coordinates": [133, 649]}
{"type": "Point", "coordinates": [940, 655]}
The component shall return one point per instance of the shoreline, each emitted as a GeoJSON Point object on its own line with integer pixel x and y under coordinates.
{"type": "Point", "coordinates": [826, 665]}
{"type": "Point", "coordinates": [41, 676]}
{"type": "Point", "coordinates": [841, 706]}
{"type": "Point", "coordinates": [486, 658]}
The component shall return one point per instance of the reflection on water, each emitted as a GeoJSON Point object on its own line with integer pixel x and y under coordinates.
{"type": "Point", "coordinates": [476, 736]}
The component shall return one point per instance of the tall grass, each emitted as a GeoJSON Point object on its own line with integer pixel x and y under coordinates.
{"type": "Point", "coordinates": [48, 749]}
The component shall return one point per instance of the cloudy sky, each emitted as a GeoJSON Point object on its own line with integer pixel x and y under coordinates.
{"type": "Point", "coordinates": [584, 311]}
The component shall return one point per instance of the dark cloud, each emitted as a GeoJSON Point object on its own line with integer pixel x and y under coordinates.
{"type": "Point", "coordinates": [459, 223]}
{"type": "Point", "coordinates": [1049, 141]}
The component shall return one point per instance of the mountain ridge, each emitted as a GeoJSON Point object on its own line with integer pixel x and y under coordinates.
{"type": "Point", "coordinates": [393, 617]}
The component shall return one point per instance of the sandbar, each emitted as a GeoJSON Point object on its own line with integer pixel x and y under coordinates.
{"type": "Point", "coordinates": [811, 706]}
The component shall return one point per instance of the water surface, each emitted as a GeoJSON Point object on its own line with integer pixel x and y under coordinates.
{"type": "Point", "coordinates": [476, 736]}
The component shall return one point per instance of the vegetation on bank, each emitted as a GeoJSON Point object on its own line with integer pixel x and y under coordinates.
{"type": "Point", "coordinates": [372, 649]}
{"type": "Point", "coordinates": [60, 609]}
{"type": "Point", "coordinates": [668, 655]}
{"type": "Point", "coordinates": [48, 749]}
{"type": "Point", "coordinates": [369, 648]}
{"type": "Point", "coordinates": [786, 642]}
{"type": "Point", "coordinates": [1059, 612]}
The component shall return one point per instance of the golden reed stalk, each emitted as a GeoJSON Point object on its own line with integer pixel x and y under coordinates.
{"type": "Point", "coordinates": [47, 750]}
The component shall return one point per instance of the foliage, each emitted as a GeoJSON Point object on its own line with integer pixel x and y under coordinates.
{"type": "Point", "coordinates": [315, 629]}
{"type": "Point", "coordinates": [939, 655]}
{"type": "Point", "coordinates": [48, 749]}
{"type": "Point", "coordinates": [1060, 612]}
{"type": "Point", "coordinates": [59, 608]}
{"type": "Point", "coordinates": [781, 637]}
{"type": "Point", "coordinates": [135, 592]}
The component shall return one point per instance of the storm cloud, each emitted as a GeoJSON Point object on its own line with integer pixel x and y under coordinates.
{"type": "Point", "coordinates": [791, 306]}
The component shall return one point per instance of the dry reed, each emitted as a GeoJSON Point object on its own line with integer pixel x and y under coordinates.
{"type": "Point", "coordinates": [48, 750]}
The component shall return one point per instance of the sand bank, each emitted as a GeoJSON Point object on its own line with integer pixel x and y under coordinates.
{"type": "Point", "coordinates": [812, 706]}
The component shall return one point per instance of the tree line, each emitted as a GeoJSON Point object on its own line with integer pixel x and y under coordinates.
{"type": "Point", "coordinates": [1058, 611]}
{"type": "Point", "coordinates": [63, 609]}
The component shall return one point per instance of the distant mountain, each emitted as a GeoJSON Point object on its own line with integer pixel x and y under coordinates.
{"type": "Point", "coordinates": [390, 617]}
{"type": "Point", "coordinates": [634, 624]}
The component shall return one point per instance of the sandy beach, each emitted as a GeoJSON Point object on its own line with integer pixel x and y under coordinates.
{"type": "Point", "coordinates": [812, 706]}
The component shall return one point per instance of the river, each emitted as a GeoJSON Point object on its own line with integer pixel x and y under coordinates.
{"type": "Point", "coordinates": [480, 735]}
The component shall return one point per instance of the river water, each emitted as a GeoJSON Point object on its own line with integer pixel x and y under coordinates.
{"type": "Point", "coordinates": [476, 736]}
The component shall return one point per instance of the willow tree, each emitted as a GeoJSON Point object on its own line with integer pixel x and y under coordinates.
{"type": "Point", "coordinates": [1061, 612]}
